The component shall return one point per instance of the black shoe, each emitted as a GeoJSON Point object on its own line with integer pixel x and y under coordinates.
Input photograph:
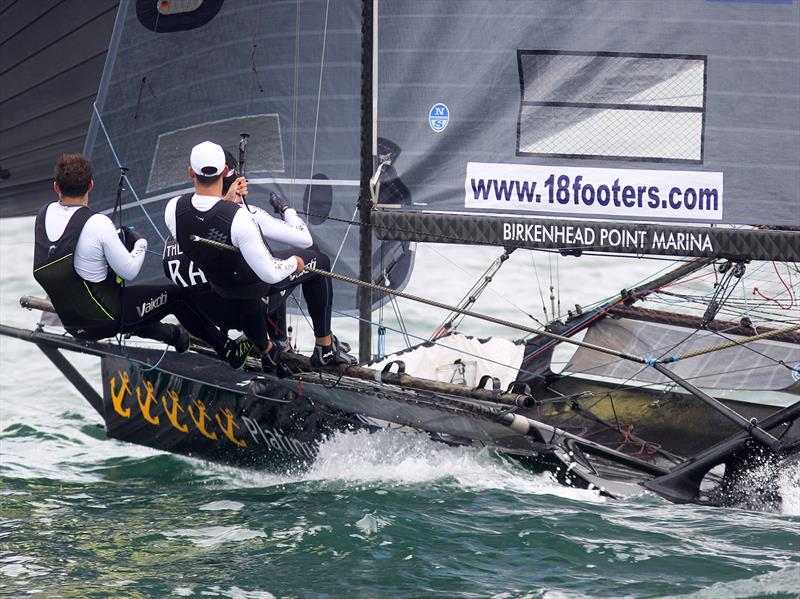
{"type": "Point", "coordinates": [181, 340]}
{"type": "Point", "coordinates": [283, 344]}
{"type": "Point", "coordinates": [331, 355]}
{"type": "Point", "coordinates": [269, 359]}
{"type": "Point", "coordinates": [236, 351]}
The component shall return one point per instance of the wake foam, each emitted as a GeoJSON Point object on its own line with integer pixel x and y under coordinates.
{"type": "Point", "coordinates": [789, 486]}
{"type": "Point", "coordinates": [391, 458]}
{"type": "Point", "coordinates": [779, 583]}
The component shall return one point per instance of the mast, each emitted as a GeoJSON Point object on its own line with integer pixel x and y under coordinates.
{"type": "Point", "coordinates": [368, 21]}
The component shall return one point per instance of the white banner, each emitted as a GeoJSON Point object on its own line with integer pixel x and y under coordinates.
{"type": "Point", "coordinates": [570, 191]}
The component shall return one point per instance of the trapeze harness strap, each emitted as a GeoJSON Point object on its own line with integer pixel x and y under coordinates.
{"type": "Point", "coordinates": [79, 303]}
{"type": "Point", "coordinates": [227, 272]}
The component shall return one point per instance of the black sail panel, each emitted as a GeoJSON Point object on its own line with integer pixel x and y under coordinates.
{"type": "Point", "coordinates": [679, 112]}
{"type": "Point", "coordinates": [51, 59]}
{"type": "Point", "coordinates": [286, 73]}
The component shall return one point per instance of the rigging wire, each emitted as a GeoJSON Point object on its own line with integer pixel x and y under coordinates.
{"type": "Point", "coordinates": [599, 366]}
{"type": "Point", "coordinates": [488, 288]}
{"type": "Point", "coordinates": [539, 284]}
{"type": "Point", "coordinates": [757, 291]}
{"type": "Point", "coordinates": [470, 298]}
{"type": "Point", "coordinates": [608, 304]}
{"type": "Point", "coordinates": [296, 94]}
{"type": "Point", "coordinates": [735, 307]}
{"type": "Point", "coordinates": [319, 98]}
{"type": "Point", "coordinates": [552, 297]}
{"type": "Point", "coordinates": [400, 320]}
{"type": "Point", "coordinates": [127, 179]}
{"type": "Point", "coordinates": [302, 312]}
{"type": "Point", "coordinates": [558, 283]}
{"type": "Point", "coordinates": [732, 307]}
{"type": "Point", "coordinates": [723, 289]}
{"type": "Point", "coordinates": [730, 273]}
{"type": "Point", "coordinates": [752, 349]}
{"type": "Point", "coordinates": [344, 239]}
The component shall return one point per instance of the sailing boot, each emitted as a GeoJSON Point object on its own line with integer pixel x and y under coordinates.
{"type": "Point", "coordinates": [181, 340]}
{"type": "Point", "coordinates": [271, 362]}
{"type": "Point", "coordinates": [283, 343]}
{"type": "Point", "coordinates": [237, 350]}
{"type": "Point", "coordinates": [332, 355]}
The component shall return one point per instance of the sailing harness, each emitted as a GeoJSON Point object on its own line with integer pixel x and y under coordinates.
{"type": "Point", "coordinates": [80, 304]}
{"type": "Point", "coordinates": [231, 278]}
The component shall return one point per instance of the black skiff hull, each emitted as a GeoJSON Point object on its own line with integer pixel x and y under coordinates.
{"type": "Point", "coordinates": [193, 405]}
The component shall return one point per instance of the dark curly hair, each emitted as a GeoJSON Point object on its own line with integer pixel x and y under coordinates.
{"type": "Point", "coordinates": [73, 173]}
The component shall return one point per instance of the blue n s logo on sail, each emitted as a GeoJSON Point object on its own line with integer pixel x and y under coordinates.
{"type": "Point", "coordinates": [438, 117]}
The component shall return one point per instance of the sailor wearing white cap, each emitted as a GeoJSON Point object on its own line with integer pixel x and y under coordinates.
{"type": "Point", "coordinates": [243, 277]}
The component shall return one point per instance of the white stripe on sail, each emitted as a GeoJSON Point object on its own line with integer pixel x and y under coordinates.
{"type": "Point", "coordinates": [260, 181]}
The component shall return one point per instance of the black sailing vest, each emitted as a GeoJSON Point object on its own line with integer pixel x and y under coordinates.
{"type": "Point", "coordinates": [181, 270]}
{"type": "Point", "coordinates": [80, 304]}
{"type": "Point", "coordinates": [226, 271]}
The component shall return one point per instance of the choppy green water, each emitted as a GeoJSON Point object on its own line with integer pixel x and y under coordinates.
{"type": "Point", "coordinates": [383, 515]}
{"type": "Point", "coordinates": [380, 517]}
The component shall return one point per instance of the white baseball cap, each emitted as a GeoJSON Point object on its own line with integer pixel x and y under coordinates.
{"type": "Point", "coordinates": [207, 159]}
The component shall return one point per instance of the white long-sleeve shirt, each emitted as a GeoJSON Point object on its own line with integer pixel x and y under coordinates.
{"type": "Point", "coordinates": [98, 245]}
{"type": "Point", "coordinates": [291, 230]}
{"type": "Point", "coordinates": [245, 235]}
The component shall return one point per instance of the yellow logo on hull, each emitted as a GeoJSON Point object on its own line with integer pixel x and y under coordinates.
{"type": "Point", "coordinates": [120, 391]}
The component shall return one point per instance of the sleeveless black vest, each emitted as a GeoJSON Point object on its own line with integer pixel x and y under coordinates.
{"type": "Point", "coordinates": [226, 271]}
{"type": "Point", "coordinates": [80, 304]}
{"type": "Point", "coordinates": [182, 270]}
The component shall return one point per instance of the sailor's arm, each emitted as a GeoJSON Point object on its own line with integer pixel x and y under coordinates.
{"type": "Point", "coordinates": [291, 220]}
{"type": "Point", "coordinates": [126, 264]}
{"type": "Point", "coordinates": [291, 231]}
{"type": "Point", "coordinates": [169, 216]}
{"type": "Point", "coordinates": [246, 236]}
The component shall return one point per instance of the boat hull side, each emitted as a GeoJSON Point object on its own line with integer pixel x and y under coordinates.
{"type": "Point", "coordinates": [174, 413]}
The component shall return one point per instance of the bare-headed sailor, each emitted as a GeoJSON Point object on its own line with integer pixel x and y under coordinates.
{"type": "Point", "coordinates": [82, 264]}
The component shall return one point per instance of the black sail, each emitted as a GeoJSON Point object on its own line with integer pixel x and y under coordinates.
{"type": "Point", "coordinates": [595, 113]}
{"type": "Point", "coordinates": [286, 73]}
{"type": "Point", "coordinates": [51, 59]}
